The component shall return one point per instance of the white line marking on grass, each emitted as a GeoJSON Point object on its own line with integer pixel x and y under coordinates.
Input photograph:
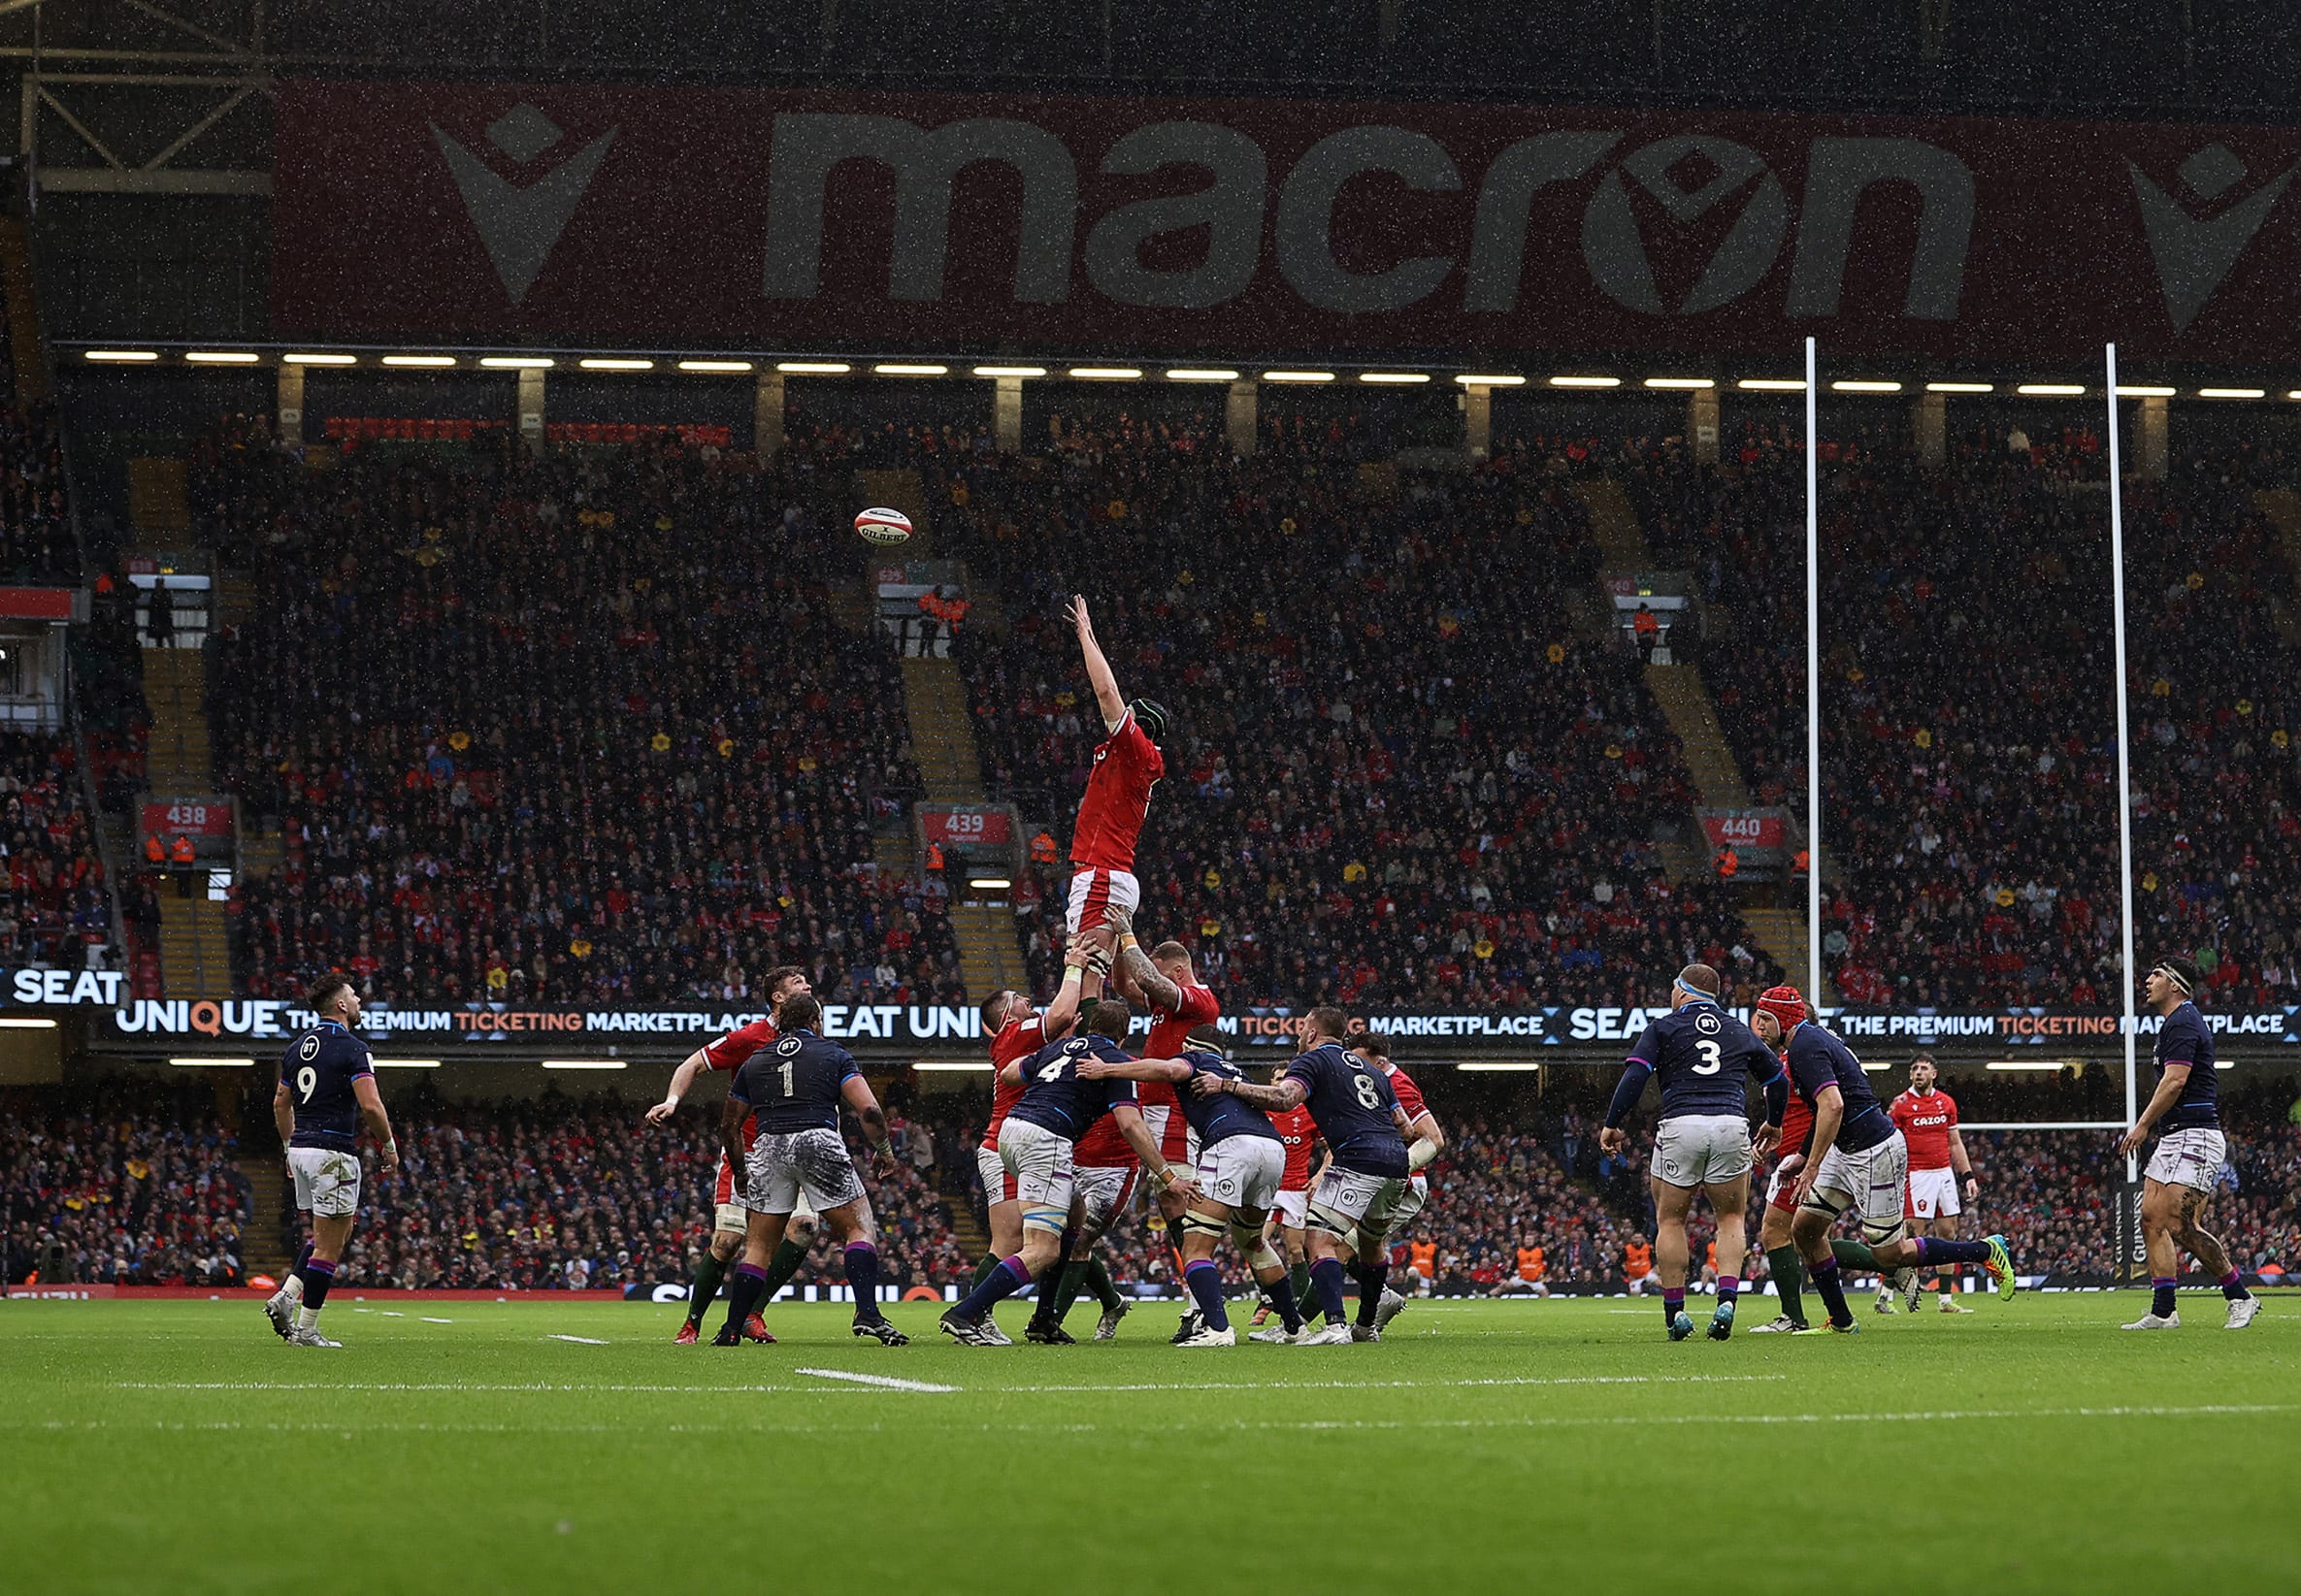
{"type": "Point", "coordinates": [1399, 1385]}
{"type": "Point", "coordinates": [885, 1382]}
{"type": "Point", "coordinates": [428, 1320]}
{"type": "Point", "coordinates": [581, 1340]}
{"type": "Point", "coordinates": [387, 1312]}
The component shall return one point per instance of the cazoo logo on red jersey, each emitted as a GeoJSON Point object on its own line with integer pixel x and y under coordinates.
{"type": "Point", "coordinates": [802, 219]}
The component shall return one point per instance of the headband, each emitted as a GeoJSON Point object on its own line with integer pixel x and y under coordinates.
{"type": "Point", "coordinates": [2173, 975]}
{"type": "Point", "coordinates": [1697, 994]}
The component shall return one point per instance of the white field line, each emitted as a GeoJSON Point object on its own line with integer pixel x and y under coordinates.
{"type": "Point", "coordinates": [884, 1382]}
{"type": "Point", "coordinates": [581, 1340]}
{"type": "Point", "coordinates": [428, 1320]}
{"type": "Point", "coordinates": [1394, 1427]}
{"type": "Point", "coordinates": [562, 1387]}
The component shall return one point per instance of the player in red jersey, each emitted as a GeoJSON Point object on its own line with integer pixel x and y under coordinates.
{"type": "Point", "coordinates": [1940, 1171]}
{"type": "Point", "coordinates": [1127, 764]}
{"type": "Point", "coordinates": [1016, 1031]}
{"type": "Point", "coordinates": [1777, 1008]}
{"type": "Point", "coordinates": [1163, 982]}
{"type": "Point", "coordinates": [1298, 1132]}
{"type": "Point", "coordinates": [730, 1218]}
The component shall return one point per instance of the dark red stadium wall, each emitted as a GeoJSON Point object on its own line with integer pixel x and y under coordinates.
{"type": "Point", "coordinates": [644, 215]}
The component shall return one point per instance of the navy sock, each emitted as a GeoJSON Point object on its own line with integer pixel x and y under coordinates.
{"type": "Point", "coordinates": [1673, 1303]}
{"type": "Point", "coordinates": [781, 1267]}
{"type": "Point", "coordinates": [1373, 1278]}
{"type": "Point", "coordinates": [318, 1275]}
{"type": "Point", "coordinates": [863, 1274]}
{"type": "Point", "coordinates": [1934, 1250]}
{"type": "Point", "coordinates": [1053, 1305]}
{"type": "Point", "coordinates": [1729, 1286]}
{"type": "Point", "coordinates": [1000, 1284]}
{"type": "Point", "coordinates": [1281, 1292]}
{"type": "Point", "coordinates": [2162, 1302]}
{"type": "Point", "coordinates": [1831, 1290]}
{"type": "Point", "coordinates": [302, 1257]}
{"type": "Point", "coordinates": [1205, 1281]}
{"type": "Point", "coordinates": [750, 1284]}
{"type": "Point", "coordinates": [1325, 1278]}
{"type": "Point", "coordinates": [2233, 1286]}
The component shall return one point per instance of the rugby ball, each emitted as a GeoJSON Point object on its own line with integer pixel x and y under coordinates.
{"type": "Point", "coordinates": [883, 526]}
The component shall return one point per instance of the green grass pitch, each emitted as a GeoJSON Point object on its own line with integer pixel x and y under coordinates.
{"type": "Point", "coordinates": [478, 1447]}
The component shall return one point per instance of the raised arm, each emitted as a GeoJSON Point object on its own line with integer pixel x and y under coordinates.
{"type": "Point", "coordinates": [377, 1123]}
{"type": "Point", "coordinates": [1136, 975]}
{"type": "Point", "coordinates": [1082, 984]}
{"type": "Point", "coordinates": [682, 1081]}
{"type": "Point", "coordinates": [1105, 685]}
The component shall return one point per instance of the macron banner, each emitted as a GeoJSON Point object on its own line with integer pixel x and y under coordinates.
{"type": "Point", "coordinates": [700, 217]}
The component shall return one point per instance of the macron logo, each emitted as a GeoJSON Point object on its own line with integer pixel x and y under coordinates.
{"type": "Point", "coordinates": [2193, 253]}
{"type": "Point", "coordinates": [519, 224]}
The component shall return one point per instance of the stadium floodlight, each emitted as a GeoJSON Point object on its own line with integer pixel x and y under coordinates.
{"type": "Point", "coordinates": [1297, 376]}
{"type": "Point", "coordinates": [432, 361]}
{"type": "Point", "coordinates": [1497, 379]}
{"type": "Point", "coordinates": [222, 357]}
{"type": "Point", "coordinates": [123, 356]}
{"type": "Point", "coordinates": [1010, 371]}
{"type": "Point", "coordinates": [1200, 374]}
{"type": "Point", "coordinates": [2232, 393]}
{"type": "Point", "coordinates": [21, 1023]}
{"type": "Point", "coordinates": [813, 368]}
{"type": "Point", "coordinates": [405, 1063]}
{"type": "Point", "coordinates": [1863, 386]}
{"type": "Point", "coordinates": [516, 363]}
{"type": "Point", "coordinates": [1586, 382]}
{"type": "Point", "coordinates": [615, 363]}
{"type": "Point", "coordinates": [2051, 390]}
{"type": "Point", "coordinates": [1107, 373]}
{"type": "Point", "coordinates": [714, 366]}
{"type": "Point", "coordinates": [308, 358]}
{"type": "Point", "coordinates": [990, 883]}
{"type": "Point", "coordinates": [953, 1066]}
{"type": "Point", "coordinates": [1773, 384]}
{"type": "Point", "coordinates": [1961, 387]}
{"type": "Point", "coordinates": [904, 369]}
{"type": "Point", "coordinates": [2128, 390]}
{"type": "Point", "coordinates": [2293, 393]}
{"type": "Point", "coordinates": [1498, 1066]}
{"type": "Point", "coordinates": [585, 1063]}
{"type": "Point", "coordinates": [212, 1062]}
{"type": "Point", "coordinates": [1692, 382]}
{"type": "Point", "coordinates": [1400, 379]}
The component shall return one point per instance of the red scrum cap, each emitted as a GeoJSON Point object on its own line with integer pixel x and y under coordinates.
{"type": "Point", "coordinates": [1785, 1004]}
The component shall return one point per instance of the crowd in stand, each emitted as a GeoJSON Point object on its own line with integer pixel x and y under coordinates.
{"type": "Point", "coordinates": [56, 906]}
{"type": "Point", "coordinates": [562, 1194]}
{"type": "Point", "coordinates": [127, 1181]}
{"type": "Point", "coordinates": [1398, 775]}
{"type": "Point", "coordinates": [1969, 740]}
{"type": "Point", "coordinates": [37, 542]}
{"type": "Point", "coordinates": [577, 730]}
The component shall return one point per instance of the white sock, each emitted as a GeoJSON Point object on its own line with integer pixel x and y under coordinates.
{"type": "Point", "coordinates": [292, 1288]}
{"type": "Point", "coordinates": [306, 1319]}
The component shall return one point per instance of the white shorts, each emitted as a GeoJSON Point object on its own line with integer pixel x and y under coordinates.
{"type": "Point", "coordinates": [1242, 1172]}
{"type": "Point", "coordinates": [997, 1185]}
{"type": "Point", "coordinates": [1410, 1201]}
{"type": "Point", "coordinates": [1103, 1189]}
{"type": "Point", "coordinates": [2192, 1158]}
{"type": "Point", "coordinates": [1347, 1198]}
{"type": "Point", "coordinates": [1933, 1194]}
{"type": "Point", "coordinates": [327, 1182]}
{"type": "Point", "coordinates": [1093, 891]}
{"type": "Point", "coordinates": [1289, 1207]}
{"type": "Point", "coordinates": [813, 1163]}
{"type": "Point", "coordinates": [1870, 1181]}
{"type": "Point", "coordinates": [1701, 1150]}
{"type": "Point", "coordinates": [1039, 1162]}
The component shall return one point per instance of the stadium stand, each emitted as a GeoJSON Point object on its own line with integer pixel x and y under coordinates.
{"type": "Point", "coordinates": [581, 729]}
{"type": "Point", "coordinates": [56, 907]}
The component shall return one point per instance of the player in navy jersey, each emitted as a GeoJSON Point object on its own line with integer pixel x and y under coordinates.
{"type": "Point", "coordinates": [1364, 1129]}
{"type": "Point", "coordinates": [1859, 1161]}
{"type": "Point", "coordinates": [1035, 1146]}
{"type": "Point", "coordinates": [1705, 1139]}
{"type": "Point", "coordinates": [326, 1092]}
{"type": "Point", "coordinates": [785, 1102]}
{"type": "Point", "coordinates": [2182, 1172]}
{"type": "Point", "coordinates": [1241, 1162]}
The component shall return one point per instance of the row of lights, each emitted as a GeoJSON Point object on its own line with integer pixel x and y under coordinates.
{"type": "Point", "coordinates": [969, 1067]}
{"type": "Point", "coordinates": [1172, 373]}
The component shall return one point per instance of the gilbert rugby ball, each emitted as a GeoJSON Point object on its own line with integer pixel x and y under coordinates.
{"type": "Point", "coordinates": [883, 526]}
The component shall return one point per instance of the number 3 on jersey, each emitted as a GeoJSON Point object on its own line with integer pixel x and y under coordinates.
{"type": "Point", "coordinates": [1713, 1057]}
